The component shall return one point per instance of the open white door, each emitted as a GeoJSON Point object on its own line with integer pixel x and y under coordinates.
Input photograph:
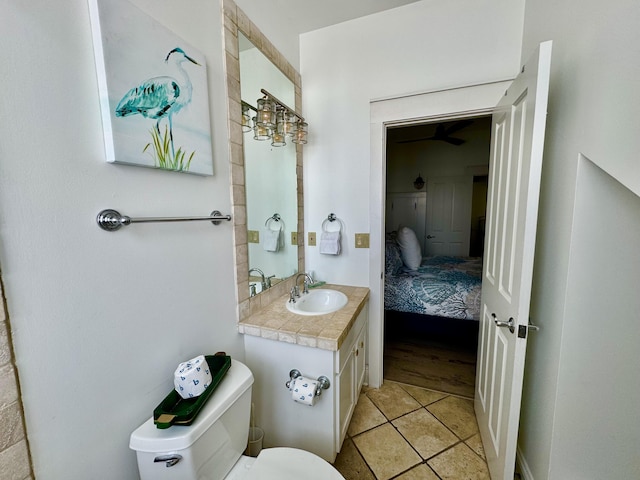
{"type": "Point", "coordinates": [512, 214]}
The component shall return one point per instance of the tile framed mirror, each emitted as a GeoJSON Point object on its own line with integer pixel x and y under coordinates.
{"type": "Point", "coordinates": [266, 180]}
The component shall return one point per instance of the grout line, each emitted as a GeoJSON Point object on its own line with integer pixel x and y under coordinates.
{"type": "Point", "coordinates": [390, 421]}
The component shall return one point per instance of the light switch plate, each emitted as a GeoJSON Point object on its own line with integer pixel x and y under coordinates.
{"type": "Point", "coordinates": [294, 238]}
{"type": "Point", "coordinates": [362, 240]}
{"type": "Point", "coordinates": [312, 239]}
{"type": "Point", "coordinates": [253, 236]}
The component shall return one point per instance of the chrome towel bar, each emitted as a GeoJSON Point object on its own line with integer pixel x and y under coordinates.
{"type": "Point", "coordinates": [111, 220]}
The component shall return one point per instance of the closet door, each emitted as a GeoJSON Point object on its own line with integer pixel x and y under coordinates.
{"type": "Point", "coordinates": [448, 229]}
{"type": "Point", "coordinates": [407, 210]}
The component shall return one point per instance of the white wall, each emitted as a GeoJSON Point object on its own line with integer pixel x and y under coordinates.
{"type": "Point", "coordinates": [100, 320]}
{"type": "Point", "coordinates": [420, 47]}
{"type": "Point", "coordinates": [593, 102]}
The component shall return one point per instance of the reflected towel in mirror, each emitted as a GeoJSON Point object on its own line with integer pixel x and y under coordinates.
{"type": "Point", "coordinates": [271, 240]}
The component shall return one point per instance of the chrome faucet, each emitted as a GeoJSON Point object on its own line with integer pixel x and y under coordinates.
{"type": "Point", "coordinates": [268, 280]}
{"type": "Point", "coordinates": [307, 281]}
{"type": "Point", "coordinates": [263, 282]}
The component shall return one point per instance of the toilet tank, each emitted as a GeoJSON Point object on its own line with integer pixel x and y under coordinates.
{"type": "Point", "coordinates": [209, 447]}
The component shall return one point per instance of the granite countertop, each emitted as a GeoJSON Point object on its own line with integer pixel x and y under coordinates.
{"type": "Point", "coordinates": [275, 322]}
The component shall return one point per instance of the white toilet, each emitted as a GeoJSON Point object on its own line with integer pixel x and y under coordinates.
{"type": "Point", "coordinates": [212, 447]}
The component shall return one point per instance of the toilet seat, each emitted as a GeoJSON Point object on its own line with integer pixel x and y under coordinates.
{"type": "Point", "coordinates": [282, 463]}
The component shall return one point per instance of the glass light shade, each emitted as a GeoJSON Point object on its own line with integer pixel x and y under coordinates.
{"type": "Point", "coordinates": [246, 120]}
{"type": "Point", "coordinates": [278, 140]}
{"type": "Point", "coordinates": [300, 135]}
{"type": "Point", "coordinates": [290, 122]}
{"type": "Point", "coordinates": [266, 113]}
{"type": "Point", "coordinates": [260, 132]}
{"type": "Point", "coordinates": [277, 137]}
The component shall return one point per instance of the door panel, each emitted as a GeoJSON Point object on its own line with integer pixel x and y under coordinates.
{"type": "Point", "coordinates": [449, 215]}
{"type": "Point", "coordinates": [512, 210]}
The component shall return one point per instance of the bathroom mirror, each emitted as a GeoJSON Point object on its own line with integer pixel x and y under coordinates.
{"type": "Point", "coordinates": [270, 175]}
{"type": "Point", "coordinates": [270, 187]}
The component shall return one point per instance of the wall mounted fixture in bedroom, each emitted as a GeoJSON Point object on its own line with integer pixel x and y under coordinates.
{"type": "Point", "coordinates": [274, 120]}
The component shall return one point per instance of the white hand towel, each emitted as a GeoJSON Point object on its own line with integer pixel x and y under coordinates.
{"type": "Point", "coordinates": [330, 243]}
{"type": "Point", "coordinates": [271, 240]}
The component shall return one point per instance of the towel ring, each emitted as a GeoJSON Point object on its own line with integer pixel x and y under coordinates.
{"type": "Point", "coordinates": [274, 218]}
{"type": "Point", "coordinates": [331, 218]}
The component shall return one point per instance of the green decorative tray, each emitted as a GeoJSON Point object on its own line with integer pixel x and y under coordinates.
{"type": "Point", "coordinates": [175, 410]}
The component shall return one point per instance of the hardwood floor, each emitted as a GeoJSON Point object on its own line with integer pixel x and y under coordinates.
{"type": "Point", "coordinates": [433, 360]}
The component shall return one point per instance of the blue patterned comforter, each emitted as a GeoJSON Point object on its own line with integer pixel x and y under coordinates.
{"type": "Point", "coordinates": [442, 286]}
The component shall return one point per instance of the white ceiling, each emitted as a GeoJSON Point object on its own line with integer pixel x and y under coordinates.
{"type": "Point", "coordinates": [282, 21]}
{"type": "Point", "coordinates": [307, 15]}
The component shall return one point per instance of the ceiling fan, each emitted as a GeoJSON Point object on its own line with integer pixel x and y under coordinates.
{"type": "Point", "coordinates": [443, 133]}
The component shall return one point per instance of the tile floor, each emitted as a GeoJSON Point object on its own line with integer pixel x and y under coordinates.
{"type": "Point", "coordinates": [405, 432]}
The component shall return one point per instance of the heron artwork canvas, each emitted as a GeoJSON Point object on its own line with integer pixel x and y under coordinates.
{"type": "Point", "coordinates": [153, 91]}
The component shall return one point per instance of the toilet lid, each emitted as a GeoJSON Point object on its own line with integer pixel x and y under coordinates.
{"type": "Point", "coordinates": [291, 463]}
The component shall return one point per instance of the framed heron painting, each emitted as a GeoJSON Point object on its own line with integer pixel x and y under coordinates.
{"type": "Point", "coordinates": [153, 91]}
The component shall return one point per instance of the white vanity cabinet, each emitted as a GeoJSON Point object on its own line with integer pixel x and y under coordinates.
{"type": "Point", "coordinates": [350, 366]}
{"type": "Point", "coordinates": [320, 428]}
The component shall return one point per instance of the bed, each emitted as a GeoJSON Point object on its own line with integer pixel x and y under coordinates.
{"type": "Point", "coordinates": [441, 286]}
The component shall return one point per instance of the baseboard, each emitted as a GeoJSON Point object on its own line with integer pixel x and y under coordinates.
{"type": "Point", "coordinates": [522, 466]}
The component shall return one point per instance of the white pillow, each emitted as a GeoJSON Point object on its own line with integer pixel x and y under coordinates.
{"type": "Point", "coordinates": [409, 248]}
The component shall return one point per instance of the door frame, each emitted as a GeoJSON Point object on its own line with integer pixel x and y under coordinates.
{"type": "Point", "coordinates": [441, 105]}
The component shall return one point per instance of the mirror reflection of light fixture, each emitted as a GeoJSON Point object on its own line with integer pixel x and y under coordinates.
{"type": "Point", "coordinates": [275, 121]}
{"type": "Point", "coordinates": [246, 117]}
{"type": "Point", "coordinates": [266, 112]}
{"type": "Point", "coordinates": [259, 132]}
{"type": "Point", "coordinates": [300, 135]}
{"type": "Point", "coordinates": [277, 137]}
{"type": "Point", "coordinates": [418, 182]}
{"type": "Point", "coordinates": [290, 123]}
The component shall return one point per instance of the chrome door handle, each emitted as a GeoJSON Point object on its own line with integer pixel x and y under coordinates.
{"type": "Point", "coordinates": [170, 460]}
{"type": "Point", "coordinates": [510, 324]}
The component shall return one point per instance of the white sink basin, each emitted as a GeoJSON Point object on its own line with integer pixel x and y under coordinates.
{"type": "Point", "coordinates": [318, 302]}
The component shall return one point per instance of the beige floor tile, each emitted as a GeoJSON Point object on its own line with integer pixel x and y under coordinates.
{"type": "Point", "coordinates": [386, 452]}
{"type": "Point", "coordinates": [425, 433]}
{"type": "Point", "coordinates": [421, 472]}
{"type": "Point", "coordinates": [392, 400]}
{"type": "Point", "coordinates": [365, 416]}
{"type": "Point", "coordinates": [459, 463]}
{"type": "Point", "coordinates": [350, 463]}
{"type": "Point", "coordinates": [457, 414]}
{"type": "Point", "coordinates": [423, 395]}
{"type": "Point", "coordinates": [475, 443]}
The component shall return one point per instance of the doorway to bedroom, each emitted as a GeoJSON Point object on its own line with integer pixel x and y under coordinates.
{"type": "Point", "coordinates": [435, 204]}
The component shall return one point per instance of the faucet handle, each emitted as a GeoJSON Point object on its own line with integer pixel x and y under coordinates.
{"type": "Point", "coordinates": [268, 280]}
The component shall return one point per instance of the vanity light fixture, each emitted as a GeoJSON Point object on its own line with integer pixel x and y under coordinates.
{"type": "Point", "coordinates": [300, 134]}
{"type": "Point", "coordinates": [259, 132]}
{"type": "Point", "coordinates": [266, 112]}
{"type": "Point", "coordinates": [275, 121]}
{"type": "Point", "coordinates": [277, 138]}
{"type": "Point", "coordinates": [246, 117]}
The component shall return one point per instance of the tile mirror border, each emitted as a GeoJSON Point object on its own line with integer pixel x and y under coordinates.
{"type": "Point", "coordinates": [236, 20]}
